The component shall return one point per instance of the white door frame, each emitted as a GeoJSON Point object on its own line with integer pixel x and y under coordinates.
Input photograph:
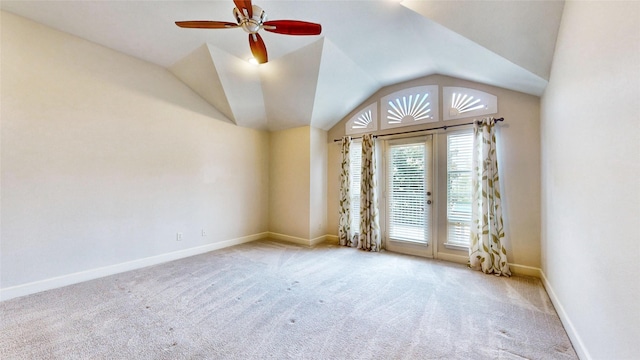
{"type": "Point", "coordinates": [413, 248]}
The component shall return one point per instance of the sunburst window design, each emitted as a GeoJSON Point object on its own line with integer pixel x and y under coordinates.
{"type": "Point", "coordinates": [364, 121]}
{"type": "Point", "coordinates": [462, 103]}
{"type": "Point", "coordinates": [410, 107]}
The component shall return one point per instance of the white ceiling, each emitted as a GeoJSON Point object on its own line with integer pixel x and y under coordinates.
{"type": "Point", "coordinates": [317, 80]}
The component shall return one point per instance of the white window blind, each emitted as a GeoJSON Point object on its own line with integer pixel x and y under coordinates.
{"type": "Point", "coordinates": [406, 193]}
{"type": "Point", "coordinates": [355, 169]}
{"type": "Point", "coordinates": [459, 193]}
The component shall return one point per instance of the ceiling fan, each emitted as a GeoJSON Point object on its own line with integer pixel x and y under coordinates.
{"type": "Point", "coordinates": [252, 18]}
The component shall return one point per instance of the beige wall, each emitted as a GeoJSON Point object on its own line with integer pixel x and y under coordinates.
{"type": "Point", "coordinates": [298, 178]}
{"type": "Point", "coordinates": [318, 184]}
{"type": "Point", "coordinates": [106, 157]}
{"type": "Point", "coordinates": [289, 180]}
{"type": "Point", "coordinates": [590, 178]}
{"type": "Point", "coordinates": [519, 161]}
{"type": "Point", "coordinates": [334, 159]}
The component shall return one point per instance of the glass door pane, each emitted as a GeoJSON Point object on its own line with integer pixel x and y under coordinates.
{"type": "Point", "coordinates": [408, 195]}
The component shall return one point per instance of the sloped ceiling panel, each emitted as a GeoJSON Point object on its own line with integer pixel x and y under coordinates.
{"type": "Point", "coordinates": [289, 86]}
{"type": "Point", "coordinates": [335, 102]}
{"type": "Point", "coordinates": [385, 46]}
{"type": "Point", "coordinates": [483, 67]}
{"type": "Point", "coordinates": [199, 73]}
{"type": "Point", "coordinates": [508, 28]}
{"type": "Point", "coordinates": [241, 83]}
{"type": "Point", "coordinates": [455, 55]}
{"type": "Point", "coordinates": [507, 44]}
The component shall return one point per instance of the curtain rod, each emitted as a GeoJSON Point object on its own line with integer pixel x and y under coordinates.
{"type": "Point", "coordinates": [445, 127]}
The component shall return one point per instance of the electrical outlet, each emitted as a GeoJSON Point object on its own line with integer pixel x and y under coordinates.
{"type": "Point", "coordinates": [179, 236]}
{"type": "Point", "coordinates": [203, 233]}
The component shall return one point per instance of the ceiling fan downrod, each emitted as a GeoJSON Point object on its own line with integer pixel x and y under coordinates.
{"type": "Point", "coordinates": [250, 24]}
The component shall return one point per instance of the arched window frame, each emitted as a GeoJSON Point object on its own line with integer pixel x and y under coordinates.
{"type": "Point", "coordinates": [460, 103]}
{"type": "Point", "coordinates": [364, 121]}
{"type": "Point", "coordinates": [409, 107]}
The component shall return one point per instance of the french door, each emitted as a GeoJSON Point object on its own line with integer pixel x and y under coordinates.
{"type": "Point", "coordinates": [408, 195]}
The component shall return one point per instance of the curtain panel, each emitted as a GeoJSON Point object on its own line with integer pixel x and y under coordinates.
{"type": "Point", "coordinates": [344, 226]}
{"type": "Point", "coordinates": [486, 252]}
{"type": "Point", "coordinates": [369, 218]}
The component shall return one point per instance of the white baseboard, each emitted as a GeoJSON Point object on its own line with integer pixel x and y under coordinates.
{"type": "Point", "coordinates": [318, 240]}
{"type": "Point", "coordinates": [453, 258]}
{"type": "Point", "coordinates": [516, 269]}
{"type": "Point", "coordinates": [524, 270]}
{"type": "Point", "coordinates": [333, 239]}
{"type": "Point", "coordinates": [576, 340]}
{"type": "Point", "coordinates": [289, 238]}
{"type": "Point", "coordinates": [60, 281]}
{"type": "Point", "coordinates": [297, 240]}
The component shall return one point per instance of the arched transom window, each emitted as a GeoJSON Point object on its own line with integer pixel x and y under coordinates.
{"type": "Point", "coordinates": [461, 103]}
{"type": "Point", "coordinates": [412, 106]}
{"type": "Point", "coordinates": [364, 121]}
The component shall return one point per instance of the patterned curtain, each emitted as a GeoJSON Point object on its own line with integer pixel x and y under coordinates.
{"type": "Point", "coordinates": [344, 228]}
{"type": "Point", "coordinates": [369, 222]}
{"type": "Point", "coordinates": [486, 252]}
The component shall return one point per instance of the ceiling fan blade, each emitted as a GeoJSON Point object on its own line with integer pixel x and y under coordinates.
{"type": "Point", "coordinates": [292, 27]}
{"type": "Point", "coordinates": [206, 24]}
{"type": "Point", "coordinates": [258, 49]}
{"type": "Point", "coordinates": [244, 5]}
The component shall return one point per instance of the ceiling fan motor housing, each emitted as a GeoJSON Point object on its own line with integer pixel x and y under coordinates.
{"type": "Point", "coordinates": [251, 25]}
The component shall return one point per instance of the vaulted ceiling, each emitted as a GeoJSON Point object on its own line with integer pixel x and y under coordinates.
{"type": "Point", "coordinates": [317, 80]}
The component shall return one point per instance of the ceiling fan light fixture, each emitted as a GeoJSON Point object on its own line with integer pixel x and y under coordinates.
{"type": "Point", "coordinates": [253, 61]}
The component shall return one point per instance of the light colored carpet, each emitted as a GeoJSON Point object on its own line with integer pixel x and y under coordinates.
{"type": "Point", "coordinates": [274, 300]}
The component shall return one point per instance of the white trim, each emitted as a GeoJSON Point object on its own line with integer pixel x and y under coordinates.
{"type": "Point", "coordinates": [576, 340]}
{"type": "Point", "coordinates": [318, 240]}
{"type": "Point", "coordinates": [524, 270]}
{"type": "Point", "coordinates": [460, 259]}
{"type": "Point", "coordinates": [516, 269]}
{"type": "Point", "coordinates": [332, 239]}
{"type": "Point", "coordinates": [289, 238]}
{"type": "Point", "coordinates": [74, 278]}
{"type": "Point", "coordinates": [303, 241]}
